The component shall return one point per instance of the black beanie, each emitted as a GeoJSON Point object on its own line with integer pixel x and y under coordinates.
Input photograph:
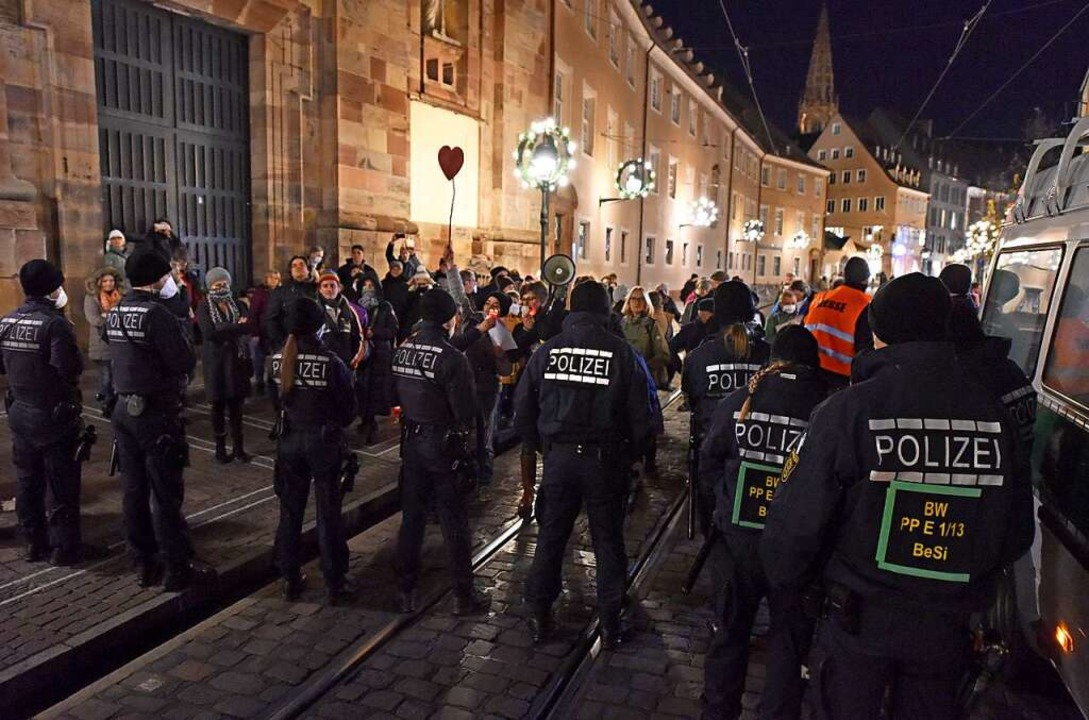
{"type": "Point", "coordinates": [856, 272]}
{"type": "Point", "coordinates": [504, 302]}
{"type": "Point", "coordinates": [957, 279]}
{"type": "Point", "coordinates": [733, 303]}
{"type": "Point", "coordinates": [437, 306]}
{"type": "Point", "coordinates": [705, 305]}
{"type": "Point", "coordinates": [795, 344]}
{"type": "Point", "coordinates": [304, 317]}
{"type": "Point", "coordinates": [911, 307]}
{"type": "Point", "coordinates": [963, 327]}
{"type": "Point", "coordinates": [146, 267]}
{"type": "Point", "coordinates": [39, 278]}
{"type": "Point", "coordinates": [496, 270]}
{"type": "Point", "coordinates": [590, 297]}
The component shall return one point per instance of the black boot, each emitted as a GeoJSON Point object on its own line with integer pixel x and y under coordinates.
{"type": "Point", "coordinates": [541, 627]}
{"type": "Point", "coordinates": [221, 449]}
{"type": "Point", "coordinates": [239, 450]}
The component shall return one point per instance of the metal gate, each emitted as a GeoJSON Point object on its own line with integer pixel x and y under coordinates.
{"type": "Point", "coordinates": [173, 117]}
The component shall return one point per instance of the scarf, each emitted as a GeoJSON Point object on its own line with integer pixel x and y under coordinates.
{"type": "Point", "coordinates": [220, 314]}
{"type": "Point", "coordinates": [107, 300]}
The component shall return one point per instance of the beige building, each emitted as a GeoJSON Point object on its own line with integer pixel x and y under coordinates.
{"type": "Point", "coordinates": [259, 127]}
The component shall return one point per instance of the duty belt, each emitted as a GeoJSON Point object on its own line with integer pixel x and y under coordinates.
{"type": "Point", "coordinates": [586, 447]}
{"type": "Point", "coordinates": [155, 402]}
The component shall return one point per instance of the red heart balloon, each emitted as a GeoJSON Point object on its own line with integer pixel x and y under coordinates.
{"type": "Point", "coordinates": [450, 160]}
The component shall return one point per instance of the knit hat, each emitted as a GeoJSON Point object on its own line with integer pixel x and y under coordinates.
{"type": "Point", "coordinates": [795, 344]}
{"type": "Point", "coordinates": [215, 275]}
{"type": "Point", "coordinates": [733, 303]}
{"type": "Point", "coordinates": [963, 327]}
{"type": "Point", "coordinates": [504, 302]}
{"type": "Point", "coordinates": [856, 271]}
{"type": "Point", "coordinates": [422, 274]}
{"type": "Point", "coordinates": [146, 267]}
{"type": "Point", "coordinates": [437, 306]}
{"type": "Point", "coordinates": [396, 263]}
{"type": "Point", "coordinates": [504, 282]}
{"type": "Point", "coordinates": [39, 278]}
{"type": "Point", "coordinates": [304, 317]}
{"type": "Point", "coordinates": [911, 307]}
{"type": "Point", "coordinates": [590, 297]}
{"type": "Point", "coordinates": [957, 278]}
{"type": "Point", "coordinates": [115, 233]}
{"type": "Point", "coordinates": [498, 269]}
{"type": "Point", "coordinates": [328, 275]}
{"type": "Point", "coordinates": [705, 305]}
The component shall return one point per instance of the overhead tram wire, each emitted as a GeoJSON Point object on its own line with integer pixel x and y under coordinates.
{"type": "Point", "coordinates": [1019, 70]}
{"type": "Point", "coordinates": [966, 32]}
{"type": "Point", "coordinates": [743, 53]}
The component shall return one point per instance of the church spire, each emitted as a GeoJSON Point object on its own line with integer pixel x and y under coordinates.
{"type": "Point", "coordinates": [819, 102]}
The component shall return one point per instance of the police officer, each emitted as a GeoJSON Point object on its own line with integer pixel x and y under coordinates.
{"type": "Point", "coordinates": [837, 318]}
{"type": "Point", "coordinates": [151, 358]}
{"type": "Point", "coordinates": [725, 362]}
{"type": "Point", "coordinates": [583, 401]}
{"type": "Point", "coordinates": [299, 284]}
{"type": "Point", "coordinates": [438, 410]}
{"type": "Point", "coordinates": [752, 431]}
{"type": "Point", "coordinates": [913, 485]}
{"type": "Point", "coordinates": [38, 353]}
{"type": "Point", "coordinates": [317, 400]}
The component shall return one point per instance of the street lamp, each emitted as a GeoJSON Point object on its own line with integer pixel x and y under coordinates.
{"type": "Point", "coordinates": [753, 231]}
{"type": "Point", "coordinates": [635, 179]}
{"type": "Point", "coordinates": [800, 240]}
{"type": "Point", "coordinates": [542, 160]}
{"type": "Point", "coordinates": [702, 213]}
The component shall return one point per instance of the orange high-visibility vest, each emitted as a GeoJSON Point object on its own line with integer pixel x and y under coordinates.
{"type": "Point", "coordinates": [832, 318]}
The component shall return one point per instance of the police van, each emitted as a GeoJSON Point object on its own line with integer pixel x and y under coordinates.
{"type": "Point", "coordinates": [1037, 294]}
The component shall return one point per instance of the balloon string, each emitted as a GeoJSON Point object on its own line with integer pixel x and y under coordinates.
{"type": "Point", "coordinates": [450, 224]}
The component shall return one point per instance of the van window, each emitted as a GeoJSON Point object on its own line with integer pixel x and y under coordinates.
{"type": "Point", "coordinates": [1067, 367]}
{"type": "Point", "coordinates": [1018, 298]}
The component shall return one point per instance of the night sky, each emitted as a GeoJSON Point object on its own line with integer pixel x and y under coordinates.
{"type": "Point", "coordinates": [890, 52]}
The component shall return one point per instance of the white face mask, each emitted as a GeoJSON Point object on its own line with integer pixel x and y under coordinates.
{"type": "Point", "coordinates": [61, 300]}
{"type": "Point", "coordinates": [515, 310]}
{"type": "Point", "coordinates": [789, 309]}
{"type": "Point", "coordinates": [170, 289]}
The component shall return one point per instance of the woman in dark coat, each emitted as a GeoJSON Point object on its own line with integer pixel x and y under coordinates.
{"type": "Point", "coordinates": [382, 332]}
{"type": "Point", "coordinates": [225, 327]}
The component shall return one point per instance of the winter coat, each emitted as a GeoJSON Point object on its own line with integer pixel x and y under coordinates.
{"type": "Point", "coordinates": [343, 334]}
{"type": "Point", "coordinates": [258, 307]}
{"type": "Point", "coordinates": [353, 286]}
{"type": "Point", "coordinates": [97, 348]}
{"type": "Point", "coordinates": [395, 292]}
{"type": "Point", "coordinates": [487, 368]}
{"type": "Point", "coordinates": [279, 300]}
{"type": "Point", "coordinates": [116, 260]}
{"type": "Point", "coordinates": [378, 369]}
{"type": "Point", "coordinates": [643, 335]}
{"type": "Point", "coordinates": [223, 354]}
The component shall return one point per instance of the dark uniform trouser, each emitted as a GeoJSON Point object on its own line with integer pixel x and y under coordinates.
{"type": "Point", "coordinates": [45, 463]}
{"type": "Point", "coordinates": [427, 472]}
{"type": "Point", "coordinates": [739, 583]}
{"type": "Point", "coordinates": [151, 450]}
{"type": "Point", "coordinates": [302, 454]}
{"type": "Point", "coordinates": [922, 659]}
{"type": "Point", "coordinates": [568, 479]}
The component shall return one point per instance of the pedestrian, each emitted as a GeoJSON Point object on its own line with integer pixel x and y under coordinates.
{"type": "Point", "coordinates": [183, 303]}
{"type": "Point", "coordinates": [693, 333]}
{"type": "Point", "coordinates": [784, 316]}
{"type": "Point", "coordinates": [904, 553]}
{"type": "Point", "coordinates": [839, 321]}
{"type": "Point", "coordinates": [344, 333]}
{"type": "Point", "coordinates": [438, 410]}
{"type": "Point", "coordinates": [151, 360]}
{"type": "Point", "coordinates": [225, 328]}
{"type": "Point", "coordinates": [395, 292]}
{"type": "Point", "coordinates": [317, 400]}
{"type": "Point", "coordinates": [528, 335]}
{"type": "Point", "coordinates": [406, 254]}
{"type": "Point", "coordinates": [419, 285]}
{"type": "Point", "coordinates": [103, 292]}
{"type": "Point", "coordinates": [39, 355]}
{"type": "Point", "coordinates": [297, 285]}
{"type": "Point", "coordinates": [489, 361]}
{"type": "Point", "coordinates": [315, 261]}
{"type": "Point", "coordinates": [751, 432]}
{"type": "Point", "coordinates": [589, 413]}
{"type": "Point", "coordinates": [381, 332]}
{"type": "Point", "coordinates": [354, 271]}
{"type": "Point", "coordinates": [116, 254]}
{"type": "Point", "coordinates": [689, 285]}
{"type": "Point", "coordinates": [702, 290]}
{"type": "Point", "coordinates": [957, 279]}
{"type": "Point", "coordinates": [669, 305]}
{"type": "Point", "coordinates": [641, 331]}
{"type": "Point", "coordinates": [259, 341]}
{"type": "Point", "coordinates": [661, 316]}
{"type": "Point", "coordinates": [160, 238]}
{"type": "Point", "coordinates": [725, 362]}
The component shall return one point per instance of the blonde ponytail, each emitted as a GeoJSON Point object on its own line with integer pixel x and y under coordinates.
{"type": "Point", "coordinates": [738, 342]}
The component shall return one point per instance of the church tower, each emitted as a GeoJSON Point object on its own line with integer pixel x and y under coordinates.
{"type": "Point", "coordinates": [819, 102]}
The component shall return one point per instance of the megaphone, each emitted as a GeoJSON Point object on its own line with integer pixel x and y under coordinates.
{"type": "Point", "coordinates": [558, 270]}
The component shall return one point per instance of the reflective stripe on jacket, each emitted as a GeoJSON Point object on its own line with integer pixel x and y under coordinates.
{"type": "Point", "coordinates": [832, 318]}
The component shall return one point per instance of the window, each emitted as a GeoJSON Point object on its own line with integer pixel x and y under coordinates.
{"type": "Point", "coordinates": [879, 203]}
{"type": "Point", "coordinates": [684, 254]}
{"type": "Point", "coordinates": [781, 180]}
{"type": "Point", "coordinates": [832, 179]}
{"type": "Point", "coordinates": [764, 217]}
{"type": "Point", "coordinates": [818, 187]}
{"type": "Point", "coordinates": [649, 257]}
{"type": "Point", "coordinates": [779, 221]}
{"type": "Point", "coordinates": [822, 154]}
{"type": "Point", "coordinates": [1029, 284]}
{"type": "Point", "coordinates": [835, 128]}
{"type": "Point", "coordinates": [761, 265]}
{"type": "Point", "coordinates": [669, 252]}
{"type": "Point", "coordinates": [730, 261]}
{"type": "Point", "coordinates": [614, 38]}
{"type": "Point", "coordinates": [608, 244]}
{"type": "Point", "coordinates": [656, 165]}
{"type": "Point", "coordinates": [699, 256]}
{"type": "Point", "coordinates": [718, 260]}
{"type": "Point", "coordinates": [863, 204]}
{"type": "Point", "coordinates": [846, 177]}
{"type": "Point", "coordinates": [830, 206]}
{"type": "Point", "coordinates": [582, 239]}
{"type": "Point", "coordinates": [835, 153]}
{"type": "Point", "coordinates": [705, 129]}
{"type": "Point", "coordinates": [799, 221]}
{"type": "Point", "coordinates": [701, 188]}
{"type": "Point", "coordinates": [589, 103]}
{"type": "Point", "coordinates": [675, 106]}
{"type": "Point", "coordinates": [671, 183]}
{"type": "Point", "coordinates": [656, 90]}
{"type": "Point", "coordinates": [560, 93]}
{"type": "Point", "coordinates": [693, 114]}
{"type": "Point", "coordinates": [591, 18]}
{"type": "Point", "coordinates": [612, 128]}
{"type": "Point", "coordinates": [765, 176]}
{"type": "Point", "coordinates": [623, 247]}
{"type": "Point", "coordinates": [735, 202]}
{"type": "Point", "coordinates": [845, 205]}
{"type": "Point", "coordinates": [629, 63]}
{"type": "Point", "coordinates": [848, 152]}
{"type": "Point", "coordinates": [860, 176]}
{"type": "Point", "coordinates": [815, 226]}
{"type": "Point", "coordinates": [800, 187]}
{"type": "Point", "coordinates": [797, 267]}
{"type": "Point", "coordinates": [776, 266]}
